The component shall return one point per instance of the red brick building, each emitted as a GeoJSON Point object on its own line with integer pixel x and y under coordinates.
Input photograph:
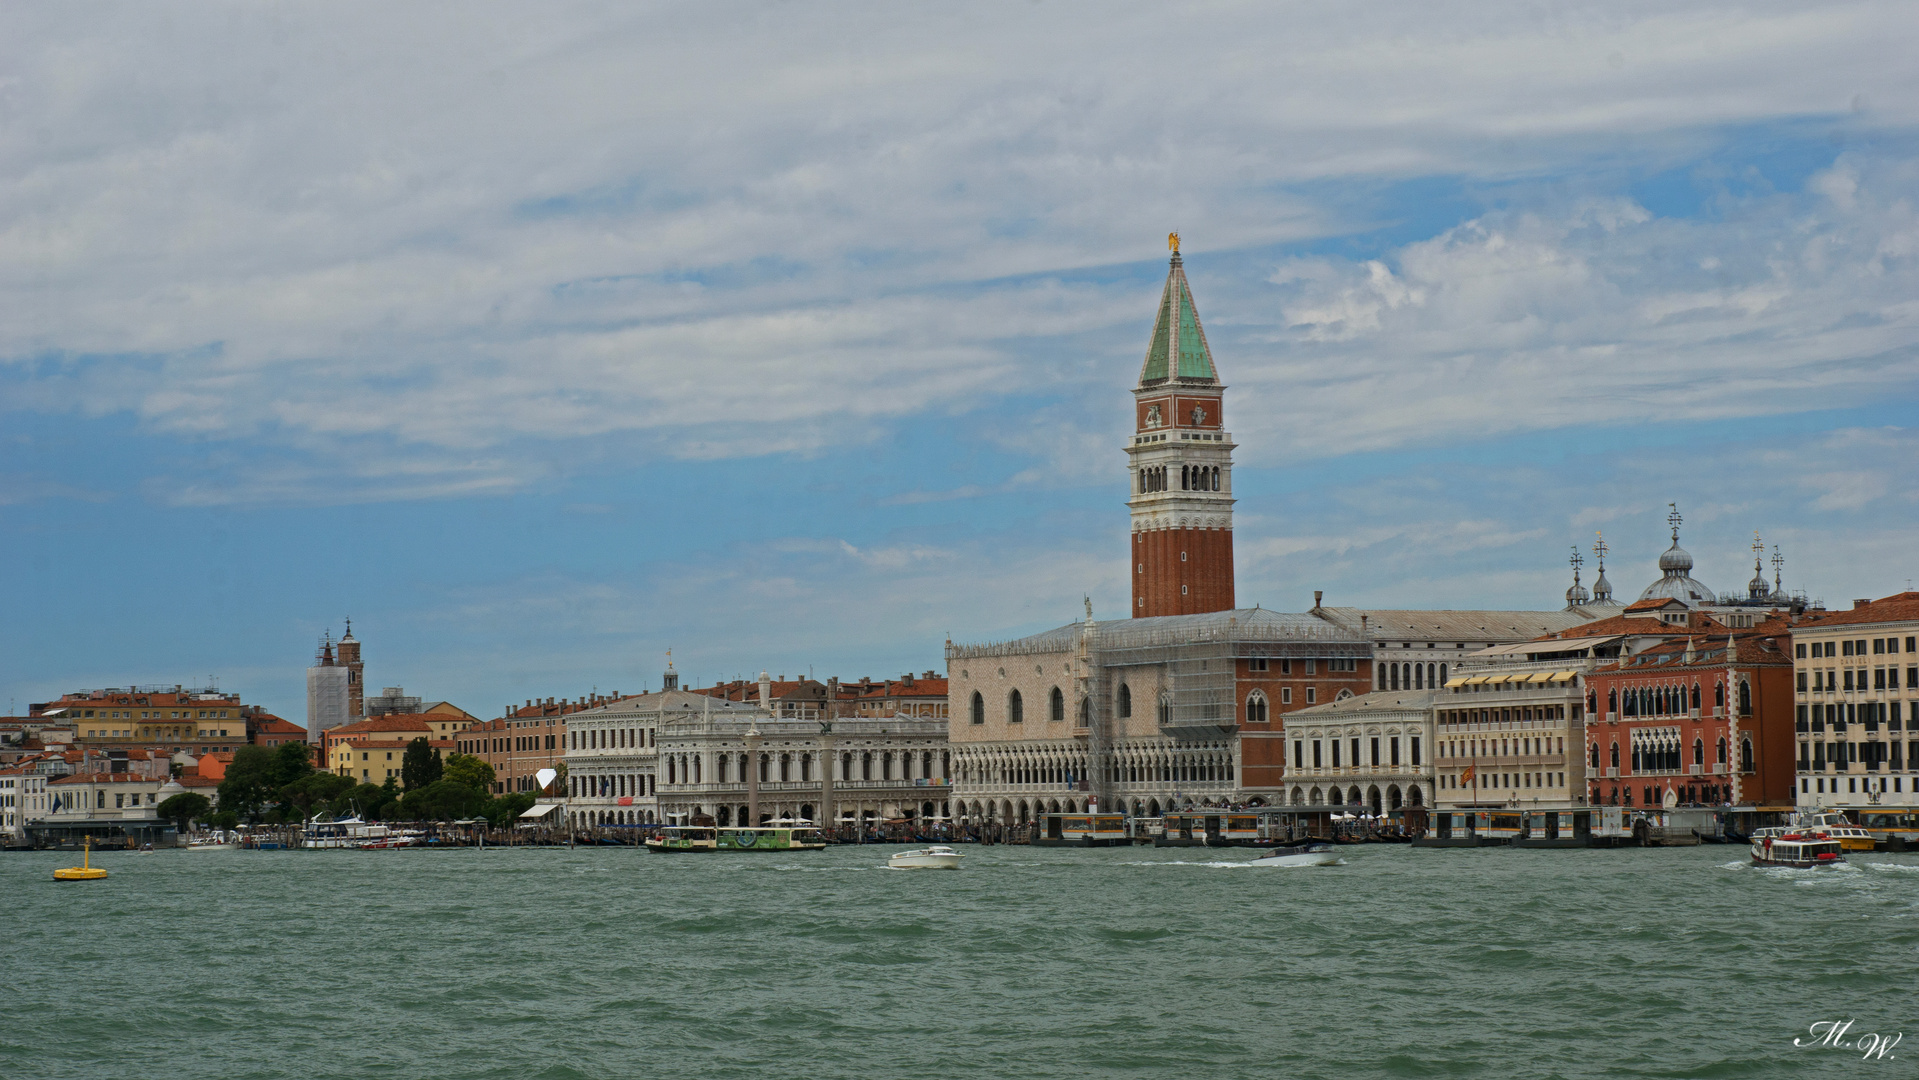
{"type": "Point", "coordinates": [1700, 715]}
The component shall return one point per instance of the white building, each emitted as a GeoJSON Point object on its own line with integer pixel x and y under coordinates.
{"type": "Point", "coordinates": [1371, 753]}
{"type": "Point", "coordinates": [23, 799]}
{"type": "Point", "coordinates": [1417, 650]}
{"type": "Point", "coordinates": [1856, 697]}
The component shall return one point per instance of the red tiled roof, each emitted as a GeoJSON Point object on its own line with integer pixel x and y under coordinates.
{"type": "Point", "coordinates": [1899, 607]}
{"type": "Point", "coordinates": [101, 778]}
{"type": "Point", "coordinates": [268, 724]}
{"type": "Point", "coordinates": [390, 722]}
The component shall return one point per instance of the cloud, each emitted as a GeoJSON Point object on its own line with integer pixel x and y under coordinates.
{"type": "Point", "coordinates": [773, 231]}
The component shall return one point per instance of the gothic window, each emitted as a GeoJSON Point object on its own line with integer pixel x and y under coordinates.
{"type": "Point", "coordinates": [1695, 695]}
{"type": "Point", "coordinates": [1125, 700]}
{"type": "Point", "coordinates": [1719, 695]}
{"type": "Point", "coordinates": [1256, 708]}
{"type": "Point", "coordinates": [1721, 758]}
{"type": "Point", "coordinates": [1056, 707]}
{"type": "Point", "coordinates": [1698, 751]}
{"type": "Point", "coordinates": [1745, 755]}
{"type": "Point", "coordinates": [1015, 708]}
{"type": "Point", "coordinates": [1615, 755]}
{"type": "Point", "coordinates": [979, 708]}
{"type": "Point", "coordinates": [1165, 709]}
{"type": "Point", "coordinates": [1745, 698]}
{"type": "Point", "coordinates": [1595, 756]}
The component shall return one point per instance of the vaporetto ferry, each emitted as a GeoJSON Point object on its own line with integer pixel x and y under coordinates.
{"type": "Point", "coordinates": [707, 838]}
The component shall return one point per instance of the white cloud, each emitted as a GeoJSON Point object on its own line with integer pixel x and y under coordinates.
{"type": "Point", "coordinates": [775, 229]}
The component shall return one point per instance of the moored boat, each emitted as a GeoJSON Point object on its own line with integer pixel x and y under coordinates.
{"type": "Point", "coordinates": [1311, 853]}
{"type": "Point", "coordinates": [699, 838]}
{"type": "Point", "coordinates": [936, 857]}
{"type": "Point", "coordinates": [1799, 850]}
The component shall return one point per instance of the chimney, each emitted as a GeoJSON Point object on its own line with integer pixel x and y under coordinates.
{"type": "Point", "coordinates": [766, 690]}
{"type": "Point", "coordinates": [1857, 604]}
{"type": "Point", "coordinates": [1318, 595]}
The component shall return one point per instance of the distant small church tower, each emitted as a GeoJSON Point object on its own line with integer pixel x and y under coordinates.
{"type": "Point", "coordinates": [1181, 466]}
{"type": "Point", "coordinates": [355, 673]}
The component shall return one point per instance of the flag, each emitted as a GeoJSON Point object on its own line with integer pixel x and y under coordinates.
{"type": "Point", "coordinates": [1466, 778]}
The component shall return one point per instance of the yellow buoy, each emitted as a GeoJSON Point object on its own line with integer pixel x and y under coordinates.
{"type": "Point", "coordinates": [86, 871]}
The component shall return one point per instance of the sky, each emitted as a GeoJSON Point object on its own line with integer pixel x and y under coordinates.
{"type": "Point", "coordinates": [540, 340]}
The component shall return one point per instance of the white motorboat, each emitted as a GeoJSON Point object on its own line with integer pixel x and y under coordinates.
{"type": "Point", "coordinates": [1310, 854]}
{"type": "Point", "coordinates": [937, 857]}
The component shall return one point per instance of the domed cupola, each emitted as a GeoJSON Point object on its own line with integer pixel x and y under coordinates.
{"type": "Point", "coordinates": [1675, 567]}
{"type": "Point", "coordinates": [1577, 595]}
{"type": "Point", "coordinates": [1602, 588]}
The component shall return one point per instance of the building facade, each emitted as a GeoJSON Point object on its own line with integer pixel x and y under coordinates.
{"type": "Point", "coordinates": [170, 720]}
{"type": "Point", "coordinates": [1694, 720]}
{"type": "Point", "coordinates": [1140, 715]}
{"type": "Point", "coordinates": [1371, 753]}
{"type": "Point", "coordinates": [1855, 694]}
{"type": "Point", "coordinates": [1509, 725]}
{"type": "Point", "coordinates": [1417, 650]}
{"type": "Point", "coordinates": [677, 755]}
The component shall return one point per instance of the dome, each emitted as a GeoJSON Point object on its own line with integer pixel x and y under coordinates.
{"type": "Point", "coordinates": [1675, 558]}
{"type": "Point", "coordinates": [1576, 595]}
{"type": "Point", "coordinates": [1677, 585]}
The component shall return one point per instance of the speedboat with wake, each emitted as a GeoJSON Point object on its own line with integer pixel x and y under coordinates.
{"type": "Point", "coordinates": [1310, 853]}
{"type": "Point", "coordinates": [936, 857]}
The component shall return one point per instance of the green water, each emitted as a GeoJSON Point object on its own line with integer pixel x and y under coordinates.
{"type": "Point", "coordinates": [1027, 963]}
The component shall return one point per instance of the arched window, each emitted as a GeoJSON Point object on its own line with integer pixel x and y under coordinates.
{"type": "Point", "coordinates": [1015, 708]}
{"type": "Point", "coordinates": [1615, 755]}
{"type": "Point", "coordinates": [1721, 759]}
{"type": "Point", "coordinates": [1745, 755]}
{"type": "Point", "coordinates": [1165, 708]}
{"type": "Point", "coordinates": [1056, 707]}
{"type": "Point", "coordinates": [979, 708]}
{"type": "Point", "coordinates": [1256, 708]}
{"type": "Point", "coordinates": [1745, 698]}
{"type": "Point", "coordinates": [1699, 751]}
{"type": "Point", "coordinates": [1442, 674]}
{"type": "Point", "coordinates": [1695, 697]}
{"type": "Point", "coordinates": [1125, 700]}
{"type": "Point", "coordinates": [1719, 695]}
{"type": "Point", "coordinates": [1612, 699]}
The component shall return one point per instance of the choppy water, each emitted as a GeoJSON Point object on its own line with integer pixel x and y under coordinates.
{"type": "Point", "coordinates": [1028, 963]}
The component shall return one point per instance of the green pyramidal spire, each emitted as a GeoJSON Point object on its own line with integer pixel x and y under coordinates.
{"type": "Point", "coordinates": [1179, 344]}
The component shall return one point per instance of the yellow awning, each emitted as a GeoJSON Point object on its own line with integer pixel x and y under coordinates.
{"type": "Point", "coordinates": [1475, 680]}
{"type": "Point", "coordinates": [1495, 680]}
{"type": "Point", "coordinates": [1565, 676]}
{"type": "Point", "coordinates": [1544, 676]}
{"type": "Point", "coordinates": [1457, 680]}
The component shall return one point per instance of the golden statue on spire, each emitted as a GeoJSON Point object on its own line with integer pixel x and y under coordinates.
{"type": "Point", "coordinates": [1172, 242]}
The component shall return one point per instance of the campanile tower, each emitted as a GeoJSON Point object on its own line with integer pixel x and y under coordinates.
{"type": "Point", "coordinates": [1181, 464]}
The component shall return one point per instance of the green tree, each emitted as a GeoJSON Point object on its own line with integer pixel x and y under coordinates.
{"type": "Point", "coordinates": [250, 783]}
{"type": "Point", "coordinates": [503, 810]}
{"type": "Point", "coordinates": [314, 791]}
{"type": "Point", "coordinates": [292, 762]}
{"type": "Point", "coordinates": [421, 766]}
{"type": "Point", "coordinates": [223, 819]}
{"type": "Point", "coordinates": [441, 800]}
{"type": "Point", "coordinates": [469, 770]}
{"type": "Point", "coordinates": [183, 809]}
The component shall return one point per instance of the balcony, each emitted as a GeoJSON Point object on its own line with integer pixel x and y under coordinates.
{"type": "Point", "coordinates": [1612, 772]}
{"type": "Point", "coordinates": [1695, 770]}
{"type": "Point", "coordinates": [1719, 769]}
